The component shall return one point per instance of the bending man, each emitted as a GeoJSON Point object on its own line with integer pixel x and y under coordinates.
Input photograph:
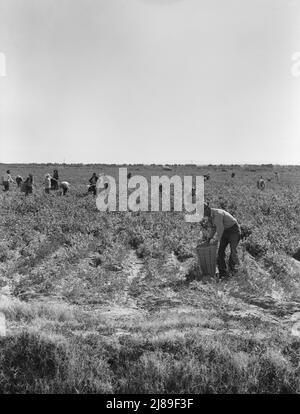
{"type": "Point", "coordinates": [228, 232]}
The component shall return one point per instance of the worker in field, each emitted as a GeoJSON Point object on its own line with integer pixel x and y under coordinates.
{"type": "Point", "coordinates": [54, 180]}
{"type": "Point", "coordinates": [28, 185]}
{"type": "Point", "coordinates": [93, 181]}
{"type": "Point", "coordinates": [261, 183]}
{"type": "Point", "coordinates": [7, 179]}
{"type": "Point", "coordinates": [64, 185]}
{"type": "Point", "coordinates": [228, 232]}
{"type": "Point", "coordinates": [19, 180]}
{"type": "Point", "coordinates": [47, 183]}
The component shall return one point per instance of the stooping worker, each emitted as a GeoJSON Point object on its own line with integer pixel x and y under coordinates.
{"type": "Point", "coordinates": [261, 183]}
{"type": "Point", "coordinates": [28, 184]}
{"type": "Point", "coordinates": [19, 180]}
{"type": "Point", "coordinates": [228, 232]}
{"type": "Point", "coordinates": [64, 185]}
{"type": "Point", "coordinates": [6, 180]}
{"type": "Point", "coordinates": [47, 183]}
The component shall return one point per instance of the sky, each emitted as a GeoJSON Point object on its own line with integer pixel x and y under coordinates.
{"type": "Point", "coordinates": [149, 81]}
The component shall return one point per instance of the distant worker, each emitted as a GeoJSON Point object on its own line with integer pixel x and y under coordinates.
{"type": "Point", "coordinates": [54, 180]}
{"type": "Point", "coordinates": [228, 232]}
{"type": "Point", "coordinates": [7, 179]}
{"type": "Point", "coordinates": [47, 183]}
{"type": "Point", "coordinates": [276, 176]}
{"type": "Point", "coordinates": [93, 181]}
{"type": "Point", "coordinates": [94, 178]}
{"type": "Point", "coordinates": [28, 185]}
{"type": "Point", "coordinates": [232, 175]}
{"type": "Point", "coordinates": [19, 180]}
{"type": "Point", "coordinates": [261, 183]}
{"type": "Point", "coordinates": [64, 185]}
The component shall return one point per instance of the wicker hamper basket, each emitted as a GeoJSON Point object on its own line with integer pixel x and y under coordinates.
{"type": "Point", "coordinates": [207, 258]}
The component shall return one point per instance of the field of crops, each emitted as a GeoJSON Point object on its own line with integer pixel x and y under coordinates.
{"type": "Point", "coordinates": [111, 302]}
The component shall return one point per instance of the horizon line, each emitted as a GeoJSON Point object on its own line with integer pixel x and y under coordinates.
{"type": "Point", "coordinates": [149, 164]}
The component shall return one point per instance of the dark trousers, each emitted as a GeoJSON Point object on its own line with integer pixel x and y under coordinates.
{"type": "Point", "coordinates": [232, 237]}
{"type": "Point", "coordinates": [6, 186]}
{"type": "Point", "coordinates": [47, 190]}
{"type": "Point", "coordinates": [92, 189]}
{"type": "Point", "coordinates": [28, 189]}
{"type": "Point", "coordinates": [54, 184]}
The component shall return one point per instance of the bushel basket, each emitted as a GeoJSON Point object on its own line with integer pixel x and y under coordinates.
{"type": "Point", "coordinates": [207, 258]}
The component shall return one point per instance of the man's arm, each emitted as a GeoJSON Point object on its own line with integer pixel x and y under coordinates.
{"type": "Point", "coordinates": [212, 229]}
{"type": "Point", "coordinates": [219, 225]}
{"type": "Point", "coordinates": [212, 232]}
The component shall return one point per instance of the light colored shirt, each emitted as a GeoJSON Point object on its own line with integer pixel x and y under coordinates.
{"type": "Point", "coordinates": [221, 220]}
{"type": "Point", "coordinates": [64, 184]}
{"type": "Point", "coordinates": [47, 182]}
{"type": "Point", "coordinates": [7, 178]}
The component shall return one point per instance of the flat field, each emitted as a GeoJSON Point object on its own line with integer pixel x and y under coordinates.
{"type": "Point", "coordinates": [112, 302]}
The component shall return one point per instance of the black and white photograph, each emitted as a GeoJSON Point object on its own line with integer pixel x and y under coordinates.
{"type": "Point", "coordinates": [150, 199]}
